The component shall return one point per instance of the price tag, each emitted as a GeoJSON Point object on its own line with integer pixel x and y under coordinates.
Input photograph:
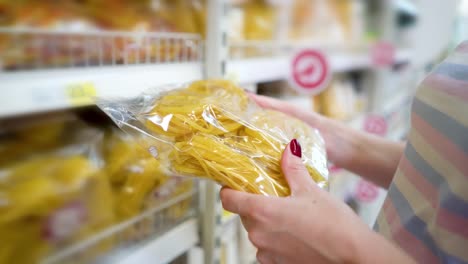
{"type": "Point", "coordinates": [65, 222]}
{"type": "Point", "coordinates": [81, 93]}
{"type": "Point", "coordinates": [383, 54]}
{"type": "Point", "coordinates": [366, 191]}
{"type": "Point", "coordinates": [376, 125]}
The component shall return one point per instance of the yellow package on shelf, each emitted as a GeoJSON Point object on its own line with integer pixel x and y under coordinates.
{"type": "Point", "coordinates": [132, 172]}
{"type": "Point", "coordinates": [71, 183]}
{"type": "Point", "coordinates": [323, 21]}
{"type": "Point", "coordinates": [211, 129]}
{"type": "Point", "coordinates": [51, 204]}
{"type": "Point", "coordinates": [259, 20]}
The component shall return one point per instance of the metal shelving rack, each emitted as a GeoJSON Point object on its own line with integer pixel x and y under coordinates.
{"type": "Point", "coordinates": [111, 64]}
{"type": "Point", "coordinates": [155, 234]}
{"type": "Point", "coordinates": [123, 64]}
{"type": "Point", "coordinates": [80, 66]}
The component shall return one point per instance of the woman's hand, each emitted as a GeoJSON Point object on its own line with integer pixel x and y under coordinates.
{"type": "Point", "coordinates": [310, 226]}
{"type": "Point", "coordinates": [339, 148]}
{"type": "Point", "coordinates": [371, 157]}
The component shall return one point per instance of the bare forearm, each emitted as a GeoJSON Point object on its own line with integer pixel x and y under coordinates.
{"type": "Point", "coordinates": [369, 156]}
{"type": "Point", "coordinates": [373, 248]}
{"type": "Point", "coordinates": [375, 159]}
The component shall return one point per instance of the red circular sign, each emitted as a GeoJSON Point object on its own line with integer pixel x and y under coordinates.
{"type": "Point", "coordinates": [383, 54]}
{"type": "Point", "coordinates": [366, 191]}
{"type": "Point", "coordinates": [376, 125]}
{"type": "Point", "coordinates": [310, 71]}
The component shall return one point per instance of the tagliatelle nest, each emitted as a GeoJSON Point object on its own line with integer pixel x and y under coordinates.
{"type": "Point", "coordinates": [217, 132]}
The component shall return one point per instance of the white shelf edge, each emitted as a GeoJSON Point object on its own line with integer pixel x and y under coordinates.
{"type": "Point", "coordinates": [37, 91]}
{"type": "Point", "coordinates": [255, 70]}
{"type": "Point", "coordinates": [166, 247]}
{"type": "Point", "coordinates": [403, 55]}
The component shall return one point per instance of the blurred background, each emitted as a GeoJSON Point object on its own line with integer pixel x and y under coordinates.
{"type": "Point", "coordinates": [74, 189]}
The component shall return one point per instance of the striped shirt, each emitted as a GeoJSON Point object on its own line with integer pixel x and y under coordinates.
{"type": "Point", "coordinates": [426, 210]}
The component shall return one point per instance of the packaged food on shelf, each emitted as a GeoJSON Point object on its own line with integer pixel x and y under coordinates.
{"type": "Point", "coordinates": [211, 129]}
{"type": "Point", "coordinates": [51, 34]}
{"type": "Point", "coordinates": [327, 21]}
{"type": "Point", "coordinates": [301, 19]}
{"type": "Point", "coordinates": [28, 50]}
{"type": "Point", "coordinates": [283, 91]}
{"type": "Point", "coordinates": [49, 198]}
{"type": "Point", "coordinates": [260, 20]}
{"type": "Point", "coordinates": [339, 100]}
{"type": "Point", "coordinates": [174, 187]}
{"type": "Point", "coordinates": [250, 24]}
{"type": "Point", "coordinates": [351, 15]}
{"type": "Point", "coordinates": [132, 172]}
{"type": "Point", "coordinates": [199, 9]}
{"type": "Point", "coordinates": [235, 24]}
{"type": "Point", "coordinates": [63, 182]}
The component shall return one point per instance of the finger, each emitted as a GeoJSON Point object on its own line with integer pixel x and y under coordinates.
{"type": "Point", "coordinates": [294, 170]}
{"type": "Point", "coordinates": [309, 117]}
{"type": "Point", "coordinates": [239, 202]}
{"type": "Point", "coordinates": [264, 257]}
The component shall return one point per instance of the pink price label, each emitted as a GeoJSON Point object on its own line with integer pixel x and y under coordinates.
{"type": "Point", "coordinates": [310, 71]}
{"type": "Point", "coordinates": [383, 54]}
{"type": "Point", "coordinates": [376, 125]}
{"type": "Point", "coordinates": [366, 191]}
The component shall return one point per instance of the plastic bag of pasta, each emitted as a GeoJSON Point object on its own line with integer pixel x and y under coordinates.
{"type": "Point", "coordinates": [48, 193]}
{"type": "Point", "coordinates": [211, 129]}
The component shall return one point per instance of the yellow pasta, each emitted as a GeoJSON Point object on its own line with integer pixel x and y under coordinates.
{"type": "Point", "coordinates": [216, 132]}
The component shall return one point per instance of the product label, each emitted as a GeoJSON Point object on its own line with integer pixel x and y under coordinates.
{"type": "Point", "coordinates": [376, 125]}
{"type": "Point", "coordinates": [366, 191]}
{"type": "Point", "coordinates": [64, 222]}
{"type": "Point", "coordinates": [383, 54]}
{"type": "Point", "coordinates": [81, 93]}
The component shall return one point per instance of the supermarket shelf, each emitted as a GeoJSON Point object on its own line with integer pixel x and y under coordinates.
{"type": "Point", "coordinates": [257, 70]}
{"type": "Point", "coordinates": [43, 70]}
{"type": "Point", "coordinates": [166, 247]}
{"type": "Point", "coordinates": [151, 234]}
{"type": "Point", "coordinates": [44, 90]}
{"type": "Point", "coordinates": [264, 69]}
{"type": "Point", "coordinates": [229, 228]}
{"type": "Point", "coordinates": [403, 55]}
{"type": "Point", "coordinates": [396, 130]}
{"type": "Point", "coordinates": [395, 103]}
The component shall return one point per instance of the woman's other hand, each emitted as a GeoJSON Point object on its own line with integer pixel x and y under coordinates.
{"type": "Point", "coordinates": [310, 226]}
{"type": "Point", "coordinates": [371, 157]}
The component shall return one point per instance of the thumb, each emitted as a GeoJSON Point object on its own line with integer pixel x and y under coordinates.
{"type": "Point", "coordinates": [296, 174]}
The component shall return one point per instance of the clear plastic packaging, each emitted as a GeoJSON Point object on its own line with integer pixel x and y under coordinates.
{"type": "Point", "coordinates": [132, 172]}
{"type": "Point", "coordinates": [48, 192]}
{"type": "Point", "coordinates": [63, 182]}
{"type": "Point", "coordinates": [211, 129]}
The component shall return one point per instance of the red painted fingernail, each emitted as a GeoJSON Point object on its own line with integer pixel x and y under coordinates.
{"type": "Point", "coordinates": [295, 148]}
